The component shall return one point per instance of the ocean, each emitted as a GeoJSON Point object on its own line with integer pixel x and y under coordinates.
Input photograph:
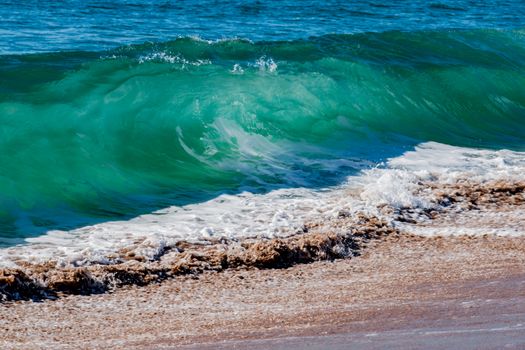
{"type": "Point", "coordinates": [140, 124]}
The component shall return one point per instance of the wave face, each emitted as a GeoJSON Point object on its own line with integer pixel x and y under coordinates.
{"type": "Point", "coordinates": [88, 137]}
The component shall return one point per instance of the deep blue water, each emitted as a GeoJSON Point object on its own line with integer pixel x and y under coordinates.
{"type": "Point", "coordinates": [37, 26]}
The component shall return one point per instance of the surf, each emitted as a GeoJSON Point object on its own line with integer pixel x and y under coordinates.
{"type": "Point", "coordinates": [89, 137]}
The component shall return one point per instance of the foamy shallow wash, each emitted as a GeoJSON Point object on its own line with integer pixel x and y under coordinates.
{"type": "Point", "coordinates": [402, 183]}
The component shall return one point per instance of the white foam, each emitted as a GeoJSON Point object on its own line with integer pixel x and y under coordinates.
{"type": "Point", "coordinates": [397, 184]}
{"type": "Point", "coordinates": [173, 59]}
{"type": "Point", "coordinates": [266, 64]}
{"type": "Point", "coordinates": [237, 69]}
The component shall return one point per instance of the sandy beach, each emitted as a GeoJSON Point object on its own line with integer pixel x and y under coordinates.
{"type": "Point", "coordinates": [406, 291]}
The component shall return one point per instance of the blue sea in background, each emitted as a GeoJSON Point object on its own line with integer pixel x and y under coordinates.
{"type": "Point", "coordinates": [44, 26]}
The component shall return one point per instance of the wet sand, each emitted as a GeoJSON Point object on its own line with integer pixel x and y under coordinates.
{"type": "Point", "coordinates": [403, 292]}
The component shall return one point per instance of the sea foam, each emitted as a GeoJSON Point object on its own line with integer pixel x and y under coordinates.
{"type": "Point", "coordinates": [404, 184]}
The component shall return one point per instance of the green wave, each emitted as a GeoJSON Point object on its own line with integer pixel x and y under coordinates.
{"type": "Point", "coordinates": [88, 136]}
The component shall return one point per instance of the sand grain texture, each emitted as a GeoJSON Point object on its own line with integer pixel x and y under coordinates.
{"type": "Point", "coordinates": [403, 283]}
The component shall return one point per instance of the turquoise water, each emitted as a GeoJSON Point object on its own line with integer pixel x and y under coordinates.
{"type": "Point", "coordinates": [94, 135]}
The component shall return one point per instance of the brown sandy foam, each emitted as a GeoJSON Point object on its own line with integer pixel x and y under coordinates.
{"type": "Point", "coordinates": [47, 280]}
{"type": "Point", "coordinates": [464, 195]}
{"type": "Point", "coordinates": [405, 287]}
{"type": "Point", "coordinates": [317, 242]}
{"type": "Point", "coordinates": [476, 195]}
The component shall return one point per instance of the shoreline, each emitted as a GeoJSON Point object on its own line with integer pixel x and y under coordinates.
{"type": "Point", "coordinates": [354, 279]}
{"type": "Point", "coordinates": [402, 285]}
{"type": "Point", "coordinates": [344, 236]}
